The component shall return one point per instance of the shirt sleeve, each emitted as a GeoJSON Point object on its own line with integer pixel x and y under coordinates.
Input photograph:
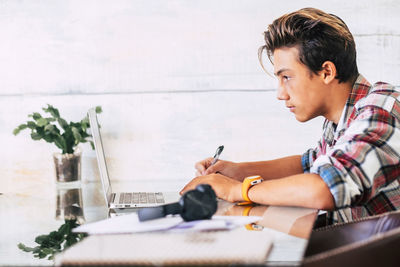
{"type": "Point", "coordinates": [308, 158]}
{"type": "Point", "coordinates": [355, 167]}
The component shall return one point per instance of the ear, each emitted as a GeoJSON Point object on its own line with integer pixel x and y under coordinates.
{"type": "Point", "coordinates": [328, 72]}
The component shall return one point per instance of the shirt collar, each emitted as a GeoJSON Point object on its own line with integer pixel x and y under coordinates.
{"type": "Point", "coordinates": [359, 90]}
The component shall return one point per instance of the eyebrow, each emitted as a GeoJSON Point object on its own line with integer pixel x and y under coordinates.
{"type": "Point", "coordinates": [280, 71]}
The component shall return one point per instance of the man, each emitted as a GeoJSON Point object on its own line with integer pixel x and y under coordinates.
{"type": "Point", "coordinates": [354, 170]}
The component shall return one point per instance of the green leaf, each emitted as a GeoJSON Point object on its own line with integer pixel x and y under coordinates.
{"type": "Point", "coordinates": [42, 255]}
{"type": "Point", "coordinates": [84, 136]}
{"type": "Point", "coordinates": [99, 109]}
{"type": "Point", "coordinates": [31, 125]}
{"type": "Point", "coordinates": [48, 251]}
{"type": "Point", "coordinates": [19, 128]}
{"type": "Point", "coordinates": [49, 119]}
{"type": "Point", "coordinates": [53, 111]}
{"type": "Point", "coordinates": [25, 248]}
{"type": "Point", "coordinates": [49, 138]}
{"type": "Point", "coordinates": [42, 122]}
{"type": "Point", "coordinates": [69, 141]}
{"type": "Point", "coordinates": [60, 143]}
{"type": "Point", "coordinates": [55, 235]}
{"type": "Point", "coordinates": [35, 116]}
{"type": "Point", "coordinates": [74, 124]}
{"type": "Point", "coordinates": [92, 145]}
{"type": "Point", "coordinates": [64, 227]}
{"type": "Point", "coordinates": [36, 136]}
{"type": "Point", "coordinates": [77, 135]}
{"type": "Point", "coordinates": [41, 238]}
{"type": "Point", "coordinates": [16, 131]}
{"type": "Point", "coordinates": [85, 120]}
{"type": "Point", "coordinates": [63, 123]}
{"type": "Point", "coordinates": [50, 128]}
{"type": "Point", "coordinates": [85, 124]}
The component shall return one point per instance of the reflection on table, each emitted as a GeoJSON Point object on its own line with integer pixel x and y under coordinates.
{"type": "Point", "coordinates": [42, 207]}
{"type": "Point", "coordinates": [294, 221]}
{"type": "Point", "coordinates": [70, 204]}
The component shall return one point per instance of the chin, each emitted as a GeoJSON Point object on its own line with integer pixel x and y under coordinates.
{"type": "Point", "coordinates": [302, 119]}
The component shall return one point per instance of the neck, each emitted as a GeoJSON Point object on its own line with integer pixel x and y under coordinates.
{"type": "Point", "coordinates": [337, 97]}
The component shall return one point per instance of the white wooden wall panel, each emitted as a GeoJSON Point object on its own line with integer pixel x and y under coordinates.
{"type": "Point", "coordinates": [153, 134]}
{"type": "Point", "coordinates": [63, 47]}
{"type": "Point", "coordinates": [175, 78]}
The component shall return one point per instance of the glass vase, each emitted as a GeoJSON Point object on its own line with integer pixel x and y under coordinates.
{"type": "Point", "coordinates": [68, 167]}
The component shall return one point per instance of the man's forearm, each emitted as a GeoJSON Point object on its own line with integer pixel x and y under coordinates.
{"type": "Point", "coordinates": [272, 169]}
{"type": "Point", "coordinates": [304, 190]}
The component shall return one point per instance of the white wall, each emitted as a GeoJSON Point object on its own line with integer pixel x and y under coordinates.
{"type": "Point", "coordinates": [175, 78]}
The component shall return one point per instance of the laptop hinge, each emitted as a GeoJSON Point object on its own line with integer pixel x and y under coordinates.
{"type": "Point", "coordinates": [112, 197]}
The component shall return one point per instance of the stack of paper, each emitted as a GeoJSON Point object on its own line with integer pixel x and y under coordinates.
{"type": "Point", "coordinates": [130, 224]}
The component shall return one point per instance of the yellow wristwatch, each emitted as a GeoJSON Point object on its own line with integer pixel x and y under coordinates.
{"type": "Point", "coordinates": [248, 182]}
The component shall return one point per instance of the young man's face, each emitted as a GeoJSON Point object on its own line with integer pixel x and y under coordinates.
{"type": "Point", "coordinates": [302, 90]}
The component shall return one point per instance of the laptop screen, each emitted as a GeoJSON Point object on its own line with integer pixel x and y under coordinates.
{"type": "Point", "coordinates": [101, 160]}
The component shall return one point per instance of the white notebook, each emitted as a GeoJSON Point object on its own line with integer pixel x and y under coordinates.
{"type": "Point", "coordinates": [218, 247]}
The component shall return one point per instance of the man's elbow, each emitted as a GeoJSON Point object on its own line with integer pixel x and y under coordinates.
{"type": "Point", "coordinates": [324, 199]}
{"type": "Point", "coordinates": [327, 203]}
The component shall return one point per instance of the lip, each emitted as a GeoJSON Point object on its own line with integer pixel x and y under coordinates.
{"type": "Point", "coordinates": [291, 108]}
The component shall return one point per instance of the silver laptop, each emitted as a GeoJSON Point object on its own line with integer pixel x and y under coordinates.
{"type": "Point", "coordinates": [120, 200]}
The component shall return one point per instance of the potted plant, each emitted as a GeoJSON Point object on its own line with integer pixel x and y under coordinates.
{"type": "Point", "coordinates": [66, 136]}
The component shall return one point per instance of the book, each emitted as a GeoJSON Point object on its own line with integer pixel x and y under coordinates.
{"type": "Point", "coordinates": [239, 246]}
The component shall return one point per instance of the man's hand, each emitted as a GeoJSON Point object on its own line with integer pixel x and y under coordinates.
{"type": "Point", "coordinates": [227, 168]}
{"type": "Point", "coordinates": [226, 188]}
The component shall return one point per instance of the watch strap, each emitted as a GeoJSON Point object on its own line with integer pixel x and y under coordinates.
{"type": "Point", "coordinates": [248, 182]}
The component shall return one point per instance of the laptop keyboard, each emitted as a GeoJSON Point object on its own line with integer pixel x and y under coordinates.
{"type": "Point", "coordinates": [141, 198]}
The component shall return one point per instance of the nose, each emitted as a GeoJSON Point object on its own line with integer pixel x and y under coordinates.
{"type": "Point", "coordinates": [282, 93]}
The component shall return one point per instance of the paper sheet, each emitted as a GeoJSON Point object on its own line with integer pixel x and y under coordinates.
{"type": "Point", "coordinates": [131, 224]}
{"type": "Point", "coordinates": [127, 224]}
{"type": "Point", "coordinates": [216, 223]}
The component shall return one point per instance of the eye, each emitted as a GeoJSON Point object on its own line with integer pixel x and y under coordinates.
{"type": "Point", "coordinates": [286, 78]}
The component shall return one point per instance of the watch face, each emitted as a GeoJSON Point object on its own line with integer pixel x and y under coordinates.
{"type": "Point", "coordinates": [256, 181]}
{"type": "Point", "coordinates": [257, 227]}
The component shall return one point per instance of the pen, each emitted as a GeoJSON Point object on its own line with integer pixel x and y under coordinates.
{"type": "Point", "coordinates": [217, 153]}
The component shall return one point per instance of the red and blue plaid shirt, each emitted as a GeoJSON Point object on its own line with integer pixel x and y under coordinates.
{"type": "Point", "coordinates": [359, 158]}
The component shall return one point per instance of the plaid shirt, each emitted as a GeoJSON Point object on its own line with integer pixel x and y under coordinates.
{"type": "Point", "coordinates": [358, 158]}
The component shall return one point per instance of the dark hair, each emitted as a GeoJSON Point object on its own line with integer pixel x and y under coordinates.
{"type": "Point", "coordinates": [319, 37]}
